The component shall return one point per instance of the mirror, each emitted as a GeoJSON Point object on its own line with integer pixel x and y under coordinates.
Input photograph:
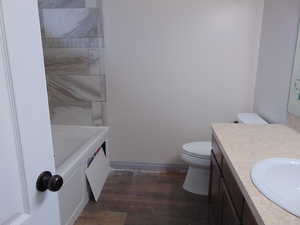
{"type": "Point", "coordinates": [294, 99]}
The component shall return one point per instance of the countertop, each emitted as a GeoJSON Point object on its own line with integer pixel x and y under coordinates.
{"type": "Point", "coordinates": [243, 146]}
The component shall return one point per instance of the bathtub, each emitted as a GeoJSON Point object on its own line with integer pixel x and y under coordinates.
{"type": "Point", "coordinates": [74, 147]}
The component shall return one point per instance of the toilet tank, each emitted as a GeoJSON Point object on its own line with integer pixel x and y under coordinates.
{"type": "Point", "coordinates": [250, 118]}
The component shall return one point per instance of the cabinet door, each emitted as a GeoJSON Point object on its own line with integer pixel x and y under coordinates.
{"type": "Point", "coordinates": [233, 189]}
{"type": "Point", "coordinates": [217, 152]}
{"type": "Point", "coordinates": [229, 215]}
{"type": "Point", "coordinates": [215, 195]}
{"type": "Point", "coordinates": [248, 218]}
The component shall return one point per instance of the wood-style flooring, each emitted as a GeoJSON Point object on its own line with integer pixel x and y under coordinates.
{"type": "Point", "coordinates": [136, 198]}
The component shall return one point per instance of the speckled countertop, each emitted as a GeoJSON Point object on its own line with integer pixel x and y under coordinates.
{"type": "Point", "coordinates": [243, 146]}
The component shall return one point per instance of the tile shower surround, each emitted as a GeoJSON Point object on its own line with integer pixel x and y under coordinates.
{"type": "Point", "coordinates": [73, 49]}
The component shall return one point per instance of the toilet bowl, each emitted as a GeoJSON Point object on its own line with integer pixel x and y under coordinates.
{"type": "Point", "coordinates": [197, 156]}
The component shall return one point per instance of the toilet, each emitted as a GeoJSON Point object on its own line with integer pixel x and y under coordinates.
{"type": "Point", "coordinates": [197, 156]}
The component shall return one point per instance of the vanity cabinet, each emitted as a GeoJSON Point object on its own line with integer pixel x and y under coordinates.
{"type": "Point", "coordinates": [227, 203]}
{"type": "Point", "coordinates": [248, 218]}
{"type": "Point", "coordinates": [229, 214]}
{"type": "Point", "coordinates": [215, 196]}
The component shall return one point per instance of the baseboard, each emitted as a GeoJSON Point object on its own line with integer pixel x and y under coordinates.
{"type": "Point", "coordinates": [143, 166]}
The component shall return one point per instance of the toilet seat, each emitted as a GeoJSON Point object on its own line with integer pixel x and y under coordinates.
{"type": "Point", "coordinates": [201, 149]}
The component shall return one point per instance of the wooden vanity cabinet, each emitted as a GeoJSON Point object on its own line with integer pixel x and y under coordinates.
{"type": "Point", "coordinates": [214, 193]}
{"type": "Point", "coordinates": [229, 215]}
{"type": "Point", "coordinates": [233, 189]}
{"type": "Point", "coordinates": [248, 218]}
{"type": "Point", "coordinates": [227, 203]}
{"type": "Point", "coordinates": [217, 152]}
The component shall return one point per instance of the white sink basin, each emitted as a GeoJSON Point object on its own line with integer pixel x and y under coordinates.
{"type": "Point", "coordinates": [279, 180]}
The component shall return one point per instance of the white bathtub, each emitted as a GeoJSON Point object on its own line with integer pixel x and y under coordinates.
{"type": "Point", "coordinates": [73, 147]}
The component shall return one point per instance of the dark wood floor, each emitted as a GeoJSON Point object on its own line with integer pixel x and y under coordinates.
{"type": "Point", "coordinates": [135, 198]}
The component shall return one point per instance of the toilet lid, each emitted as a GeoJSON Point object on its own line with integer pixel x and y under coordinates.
{"type": "Point", "coordinates": [201, 149]}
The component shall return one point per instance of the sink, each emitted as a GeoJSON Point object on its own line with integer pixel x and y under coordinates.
{"type": "Point", "coordinates": [279, 180]}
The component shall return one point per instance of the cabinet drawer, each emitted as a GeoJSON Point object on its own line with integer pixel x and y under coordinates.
{"type": "Point", "coordinates": [217, 152]}
{"type": "Point", "coordinates": [233, 189]}
{"type": "Point", "coordinates": [248, 218]}
{"type": "Point", "coordinates": [229, 215]}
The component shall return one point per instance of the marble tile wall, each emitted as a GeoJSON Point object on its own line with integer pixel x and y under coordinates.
{"type": "Point", "coordinates": [73, 49]}
{"type": "Point", "coordinates": [294, 122]}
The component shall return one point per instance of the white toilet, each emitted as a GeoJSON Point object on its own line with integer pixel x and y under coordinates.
{"type": "Point", "coordinates": [197, 156]}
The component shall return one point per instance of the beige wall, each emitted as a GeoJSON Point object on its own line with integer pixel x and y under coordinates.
{"type": "Point", "coordinates": [277, 47]}
{"type": "Point", "coordinates": [175, 66]}
{"type": "Point", "coordinates": [276, 58]}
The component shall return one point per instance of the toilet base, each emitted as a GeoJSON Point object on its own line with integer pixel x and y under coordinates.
{"type": "Point", "coordinates": [197, 180]}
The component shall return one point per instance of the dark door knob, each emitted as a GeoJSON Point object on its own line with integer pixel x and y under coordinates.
{"type": "Point", "coordinates": [46, 181]}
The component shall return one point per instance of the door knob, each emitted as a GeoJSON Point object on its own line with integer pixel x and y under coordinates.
{"type": "Point", "coordinates": [47, 181]}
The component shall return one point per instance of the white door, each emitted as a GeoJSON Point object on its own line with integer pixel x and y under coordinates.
{"type": "Point", "coordinates": [25, 135]}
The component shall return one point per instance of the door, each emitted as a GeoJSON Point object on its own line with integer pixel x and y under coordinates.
{"type": "Point", "coordinates": [25, 135]}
